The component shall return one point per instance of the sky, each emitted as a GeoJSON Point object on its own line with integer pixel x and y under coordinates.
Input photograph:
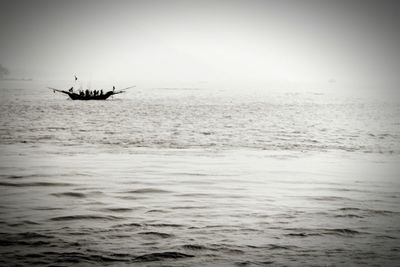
{"type": "Point", "coordinates": [341, 41]}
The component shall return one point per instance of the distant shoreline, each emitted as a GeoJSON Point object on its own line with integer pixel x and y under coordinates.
{"type": "Point", "coordinates": [17, 79]}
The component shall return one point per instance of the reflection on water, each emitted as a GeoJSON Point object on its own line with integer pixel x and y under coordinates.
{"type": "Point", "coordinates": [191, 179]}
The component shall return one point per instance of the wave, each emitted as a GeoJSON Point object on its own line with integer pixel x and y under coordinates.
{"type": "Point", "coordinates": [164, 225]}
{"type": "Point", "coordinates": [157, 234]}
{"type": "Point", "coordinates": [367, 212]}
{"type": "Point", "coordinates": [27, 235]}
{"type": "Point", "coordinates": [26, 222]}
{"type": "Point", "coordinates": [329, 198]}
{"type": "Point", "coordinates": [281, 247]}
{"type": "Point", "coordinates": [189, 174]}
{"type": "Point", "coordinates": [381, 212]}
{"type": "Point", "coordinates": [47, 208]}
{"type": "Point", "coordinates": [323, 232]}
{"type": "Point", "coordinates": [194, 195]}
{"type": "Point", "coordinates": [21, 176]}
{"type": "Point", "coordinates": [194, 247]}
{"type": "Point", "coordinates": [157, 210]}
{"type": "Point", "coordinates": [53, 258]}
{"type": "Point", "coordinates": [69, 194]}
{"type": "Point", "coordinates": [162, 256]}
{"type": "Point", "coordinates": [117, 209]}
{"type": "Point", "coordinates": [348, 216]}
{"type": "Point", "coordinates": [25, 239]}
{"type": "Point", "coordinates": [77, 257]}
{"type": "Point", "coordinates": [85, 217]}
{"type": "Point", "coordinates": [9, 243]}
{"type": "Point", "coordinates": [6, 184]}
{"type": "Point", "coordinates": [147, 191]}
{"type": "Point", "coordinates": [189, 207]}
{"type": "Point", "coordinates": [127, 225]}
{"type": "Point", "coordinates": [348, 209]}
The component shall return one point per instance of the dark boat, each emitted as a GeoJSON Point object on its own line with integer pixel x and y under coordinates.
{"type": "Point", "coordinates": [75, 96]}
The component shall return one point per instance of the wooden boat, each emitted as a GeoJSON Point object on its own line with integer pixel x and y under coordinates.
{"type": "Point", "coordinates": [90, 96]}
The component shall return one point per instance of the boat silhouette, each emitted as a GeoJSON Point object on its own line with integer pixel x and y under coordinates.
{"type": "Point", "coordinates": [89, 95]}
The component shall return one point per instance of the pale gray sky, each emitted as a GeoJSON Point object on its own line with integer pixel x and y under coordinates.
{"type": "Point", "coordinates": [262, 41]}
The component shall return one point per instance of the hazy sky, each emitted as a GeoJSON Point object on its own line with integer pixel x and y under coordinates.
{"type": "Point", "coordinates": [349, 41]}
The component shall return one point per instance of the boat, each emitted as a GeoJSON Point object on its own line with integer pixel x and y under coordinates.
{"type": "Point", "coordinates": [89, 95]}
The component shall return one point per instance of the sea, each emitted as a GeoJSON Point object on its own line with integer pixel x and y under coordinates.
{"type": "Point", "coordinates": [197, 175]}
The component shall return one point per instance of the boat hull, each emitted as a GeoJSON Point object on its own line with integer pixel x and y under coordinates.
{"type": "Point", "coordinates": [75, 96]}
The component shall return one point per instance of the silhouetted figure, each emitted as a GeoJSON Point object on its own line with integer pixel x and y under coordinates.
{"type": "Point", "coordinates": [87, 93]}
{"type": "Point", "coordinates": [101, 92]}
{"type": "Point", "coordinates": [113, 88]}
{"type": "Point", "coordinates": [71, 90]}
{"type": "Point", "coordinates": [76, 78]}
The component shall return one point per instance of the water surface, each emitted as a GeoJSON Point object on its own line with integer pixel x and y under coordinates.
{"type": "Point", "coordinates": [198, 176]}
